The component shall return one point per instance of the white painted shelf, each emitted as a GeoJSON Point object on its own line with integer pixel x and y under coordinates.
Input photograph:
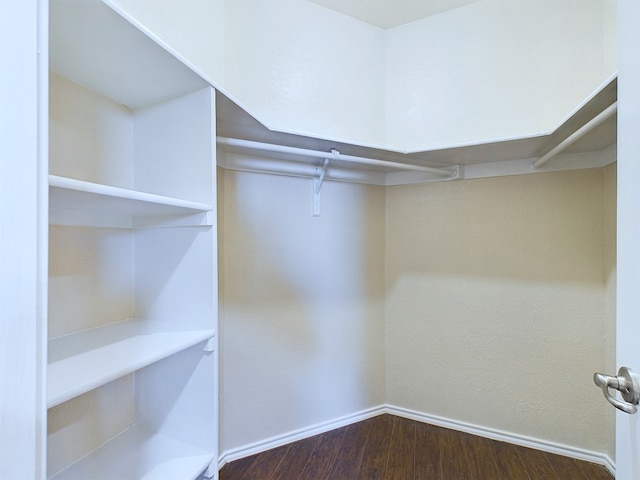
{"type": "Point", "coordinates": [89, 359]}
{"type": "Point", "coordinates": [137, 454]}
{"type": "Point", "coordinates": [76, 202]}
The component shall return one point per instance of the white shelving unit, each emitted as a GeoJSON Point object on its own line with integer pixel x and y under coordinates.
{"type": "Point", "coordinates": [132, 306]}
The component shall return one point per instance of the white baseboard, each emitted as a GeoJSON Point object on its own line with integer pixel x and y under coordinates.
{"type": "Point", "coordinates": [522, 440]}
{"type": "Point", "coordinates": [296, 435]}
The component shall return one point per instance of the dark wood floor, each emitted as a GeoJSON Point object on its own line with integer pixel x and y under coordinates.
{"type": "Point", "coordinates": [393, 448]}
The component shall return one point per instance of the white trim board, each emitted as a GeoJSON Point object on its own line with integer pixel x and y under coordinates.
{"type": "Point", "coordinates": [516, 439]}
{"type": "Point", "coordinates": [284, 439]}
{"type": "Point", "coordinates": [486, 432]}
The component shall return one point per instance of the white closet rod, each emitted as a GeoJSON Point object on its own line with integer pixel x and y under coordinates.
{"type": "Point", "coordinates": [269, 147]}
{"type": "Point", "coordinates": [581, 132]}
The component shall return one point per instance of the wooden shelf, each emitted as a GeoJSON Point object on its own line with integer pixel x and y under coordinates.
{"type": "Point", "coordinates": [140, 455]}
{"type": "Point", "coordinates": [89, 359]}
{"type": "Point", "coordinates": [76, 202]}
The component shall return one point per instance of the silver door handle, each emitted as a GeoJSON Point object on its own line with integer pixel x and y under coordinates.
{"type": "Point", "coordinates": [627, 383]}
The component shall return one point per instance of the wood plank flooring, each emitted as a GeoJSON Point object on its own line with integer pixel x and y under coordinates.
{"type": "Point", "coordinates": [394, 448]}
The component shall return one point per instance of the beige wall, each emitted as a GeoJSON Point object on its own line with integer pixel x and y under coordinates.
{"type": "Point", "coordinates": [495, 309]}
{"type": "Point", "coordinates": [610, 226]}
{"type": "Point", "coordinates": [301, 324]}
{"type": "Point", "coordinates": [500, 304]}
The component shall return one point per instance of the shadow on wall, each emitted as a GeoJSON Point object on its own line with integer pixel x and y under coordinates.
{"type": "Point", "coordinates": [545, 227]}
{"type": "Point", "coordinates": [493, 287]}
{"type": "Point", "coordinates": [302, 324]}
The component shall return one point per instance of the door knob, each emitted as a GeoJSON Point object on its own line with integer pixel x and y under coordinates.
{"type": "Point", "coordinates": [627, 383]}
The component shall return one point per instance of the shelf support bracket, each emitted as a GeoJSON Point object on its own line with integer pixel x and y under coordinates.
{"type": "Point", "coordinates": [581, 132]}
{"type": "Point", "coordinates": [210, 347]}
{"type": "Point", "coordinates": [318, 181]}
{"type": "Point", "coordinates": [211, 470]}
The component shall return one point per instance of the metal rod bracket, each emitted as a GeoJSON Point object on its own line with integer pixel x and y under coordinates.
{"type": "Point", "coordinates": [575, 136]}
{"type": "Point", "coordinates": [210, 346]}
{"type": "Point", "coordinates": [318, 181]}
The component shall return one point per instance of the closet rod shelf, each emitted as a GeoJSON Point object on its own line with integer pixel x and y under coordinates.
{"type": "Point", "coordinates": [235, 124]}
{"type": "Point", "coordinates": [333, 155]}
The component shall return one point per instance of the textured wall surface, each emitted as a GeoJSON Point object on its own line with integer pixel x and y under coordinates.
{"type": "Point", "coordinates": [495, 303]}
{"type": "Point", "coordinates": [499, 304]}
{"type": "Point", "coordinates": [610, 257]}
{"type": "Point", "coordinates": [492, 70]}
{"type": "Point", "coordinates": [303, 68]}
{"type": "Point", "coordinates": [302, 316]}
{"type": "Point", "coordinates": [489, 70]}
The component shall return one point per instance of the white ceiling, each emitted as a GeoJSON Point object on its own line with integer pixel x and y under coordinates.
{"type": "Point", "coordinates": [391, 13]}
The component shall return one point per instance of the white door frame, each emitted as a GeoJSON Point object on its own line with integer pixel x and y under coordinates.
{"type": "Point", "coordinates": [23, 144]}
{"type": "Point", "coordinates": [628, 250]}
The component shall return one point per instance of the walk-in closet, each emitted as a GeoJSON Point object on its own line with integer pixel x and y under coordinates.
{"type": "Point", "coordinates": [252, 223]}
